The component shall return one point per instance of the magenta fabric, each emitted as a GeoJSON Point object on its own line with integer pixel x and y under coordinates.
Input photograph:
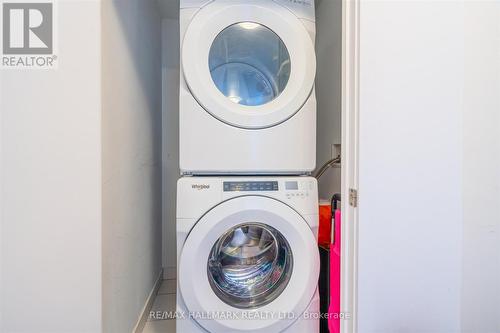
{"type": "Point", "coordinates": [334, 310]}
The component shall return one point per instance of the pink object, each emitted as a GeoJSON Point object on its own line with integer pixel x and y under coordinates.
{"type": "Point", "coordinates": [334, 310]}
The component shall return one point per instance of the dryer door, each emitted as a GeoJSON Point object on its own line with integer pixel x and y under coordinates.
{"type": "Point", "coordinates": [250, 65]}
{"type": "Point", "coordinates": [250, 257]}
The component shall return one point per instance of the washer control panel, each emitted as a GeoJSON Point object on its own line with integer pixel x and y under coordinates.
{"type": "Point", "coordinates": [300, 192]}
{"type": "Point", "coordinates": [294, 190]}
{"type": "Point", "coordinates": [252, 186]}
{"type": "Point", "coordinates": [297, 189]}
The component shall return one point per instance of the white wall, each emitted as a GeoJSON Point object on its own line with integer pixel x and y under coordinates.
{"type": "Point", "coordinates": [411, 139]}
{"type": "Point", "coordinates": [51, 184]}
{"type": "Point", "coordinates": [81, 174]}
{"type": "Point", "coordinates": [131, 141]}
{"type": "Point", "coordinates": [170, 137]}
{"type": "Point", "coordinates": [481, 165]}
{"type": "Point", "coordinates": [328, 89]}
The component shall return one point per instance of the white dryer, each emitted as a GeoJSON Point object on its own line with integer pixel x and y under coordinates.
{"type": "Point", "coordinates": [247, 255]}
{"type": "Point", "coordinates": [247, 101]}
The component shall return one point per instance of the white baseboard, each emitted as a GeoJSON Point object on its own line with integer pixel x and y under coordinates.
{"type": "Point", "coordinates": [170, 273]}
{"type": "Point", "coordinates": [143, 317]}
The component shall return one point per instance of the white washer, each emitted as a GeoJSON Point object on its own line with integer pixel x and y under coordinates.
{"type": "Point", "coordinates": [247, 100]}
{"type": "Point", "coordinates": [247, 255]}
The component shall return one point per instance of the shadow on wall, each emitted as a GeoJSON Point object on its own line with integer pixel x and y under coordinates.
{"type": "Point", "coordinates": [131, 158]}
{"type": "Point", "coordinates": [131, 15]}
{"type": "Point", "coordinates": [170, 121]}
{"type": "Point", "coordinates": [328, 90]}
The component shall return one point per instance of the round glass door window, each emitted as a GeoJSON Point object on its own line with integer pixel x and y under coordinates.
{"type": "Point", "coordinates": [250, 265]}
{"type": "Point", "coordinates": [249, 63]}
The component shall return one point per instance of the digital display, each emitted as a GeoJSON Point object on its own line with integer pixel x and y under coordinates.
{"type": "Point", "coordinates": [291, 185]}
{"type": "Point", "coordinates": [250, 186]}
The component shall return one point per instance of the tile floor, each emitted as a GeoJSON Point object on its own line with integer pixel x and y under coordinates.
{"type": "Point", "coordinates": [164, 302]}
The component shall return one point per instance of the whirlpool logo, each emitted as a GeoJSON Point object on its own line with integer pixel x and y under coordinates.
{"type": "Point", "coordinates": [200, 187]}
{"type": "Point", "coordinates": [28, 35]}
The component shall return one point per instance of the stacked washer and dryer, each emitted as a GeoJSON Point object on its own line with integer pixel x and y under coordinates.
{"type": "Point", "coordinates": [247, 213]}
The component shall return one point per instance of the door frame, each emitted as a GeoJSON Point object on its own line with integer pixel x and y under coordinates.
{"type": "Point", "coordinates": [350, 161]}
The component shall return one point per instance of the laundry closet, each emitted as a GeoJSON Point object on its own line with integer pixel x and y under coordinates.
{"type": "Point", "coordinates": [408, 97]}
{"type": "Point", "coordinates": [218, 127]}
{"type": "Point", "coordinates": [385, 159]}
{"type": "Point", "coordinates": [91, 163]}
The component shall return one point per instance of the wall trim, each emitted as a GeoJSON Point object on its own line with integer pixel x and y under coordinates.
{"type": "Point", "coordinates": [170, 273]}
{"type": "Point", "coordinates": [143, 317]}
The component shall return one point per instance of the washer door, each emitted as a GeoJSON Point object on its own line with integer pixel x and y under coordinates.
{"type": "Point", "coordinates": [249, 264]}
{"type": "Point", "coordinates": [250, 65]}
